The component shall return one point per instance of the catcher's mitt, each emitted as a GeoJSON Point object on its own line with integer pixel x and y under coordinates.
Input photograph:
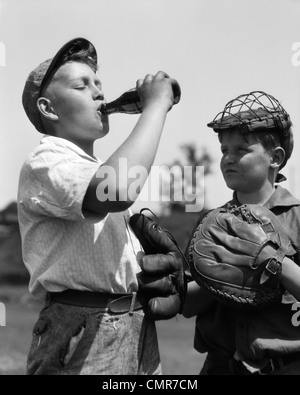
{"type": "Point", "coordinates": [162, 279]}
{"type": "Point", "coordinates": [236, 253]}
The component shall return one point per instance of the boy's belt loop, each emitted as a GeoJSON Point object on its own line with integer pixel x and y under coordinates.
{"type": "Point", "coordinates": [133, 300]}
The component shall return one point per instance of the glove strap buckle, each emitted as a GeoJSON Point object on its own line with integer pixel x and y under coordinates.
{"type": "Point", "coordinates": [273, 266]}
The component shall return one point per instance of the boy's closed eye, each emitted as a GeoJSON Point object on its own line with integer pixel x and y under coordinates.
{"type": "Point", "coordinates": [83, 83]}
{"type": "Point", "coordinates": [80, 87]}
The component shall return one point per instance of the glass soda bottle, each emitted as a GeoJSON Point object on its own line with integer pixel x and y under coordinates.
{"type": "Point", "coordinates": [130, 103]}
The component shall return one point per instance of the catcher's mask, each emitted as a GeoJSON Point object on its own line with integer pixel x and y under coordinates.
{"type": "Point", "coordinates": [257, 112]}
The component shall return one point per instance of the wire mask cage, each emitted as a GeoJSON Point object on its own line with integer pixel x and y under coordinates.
{"type": "Point", "coordinates": [252, 112]}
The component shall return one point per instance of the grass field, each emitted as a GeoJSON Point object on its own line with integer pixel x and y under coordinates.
{"type": "Point", "coordinates": [175, 337]}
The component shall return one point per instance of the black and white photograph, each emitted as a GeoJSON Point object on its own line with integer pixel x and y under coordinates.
{"type": "Point", "coordinates": [150, 190]}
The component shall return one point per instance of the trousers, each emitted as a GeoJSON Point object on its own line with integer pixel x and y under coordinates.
{"type": "Point", "coordinates": [72, 340]}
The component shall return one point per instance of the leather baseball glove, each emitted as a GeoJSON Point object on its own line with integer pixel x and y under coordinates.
{"type": "Point", "coordinates": [236, 254]}
{"type": "Point", "coordinates": [162, 281]}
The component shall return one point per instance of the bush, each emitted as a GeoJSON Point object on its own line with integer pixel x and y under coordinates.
{"type": "Point", "coordinates": [12, 268]}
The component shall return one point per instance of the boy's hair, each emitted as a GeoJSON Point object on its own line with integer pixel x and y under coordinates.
{"type": "Point", "coordinates": [260, 115]}
{"type": "Point", "coordinates": [81, 56]}
{"type": "Point", "coordinates": [269, 140]}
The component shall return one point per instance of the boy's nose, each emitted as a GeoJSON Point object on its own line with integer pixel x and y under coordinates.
{"type": "Point", "coordinates": [98, 93]}
{"type": "Point", "coordinates": [229, 158]}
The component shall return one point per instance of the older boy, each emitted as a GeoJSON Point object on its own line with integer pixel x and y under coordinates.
{"type": "Point", "coordinates": [261, 342]}
{"type": "Point", "coordinates": [77, 245]}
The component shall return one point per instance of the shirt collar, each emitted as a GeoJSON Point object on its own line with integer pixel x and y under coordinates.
{"type": "Point", "coordinates": [280, 198]}
{"type": "Point", "coordinates": [66, 143]}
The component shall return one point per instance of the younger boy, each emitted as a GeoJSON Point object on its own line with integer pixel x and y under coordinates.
{"type": "Point", "coordinates": [256, 141]}
{"type": "Point", "coordinates": [77, 246]}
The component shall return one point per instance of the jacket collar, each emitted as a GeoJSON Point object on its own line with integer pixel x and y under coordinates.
{"type": "Point", "coordinates": [280, 198]}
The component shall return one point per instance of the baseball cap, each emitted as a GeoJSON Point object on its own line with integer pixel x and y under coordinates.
{"type": "Point", "coordinates": [41, 74]}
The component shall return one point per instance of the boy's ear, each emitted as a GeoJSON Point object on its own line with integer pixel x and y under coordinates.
{"type": "Point", "coordinates": [277, 157]}
{"type": "Point", "coordinates": [47, 111]}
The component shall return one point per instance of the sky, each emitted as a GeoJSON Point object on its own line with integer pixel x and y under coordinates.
{"type": "Point", "coordinates": [215, 49]}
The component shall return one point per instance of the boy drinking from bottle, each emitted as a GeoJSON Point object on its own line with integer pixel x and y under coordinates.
{"type": "Point", "coordinates": [77, 246]}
